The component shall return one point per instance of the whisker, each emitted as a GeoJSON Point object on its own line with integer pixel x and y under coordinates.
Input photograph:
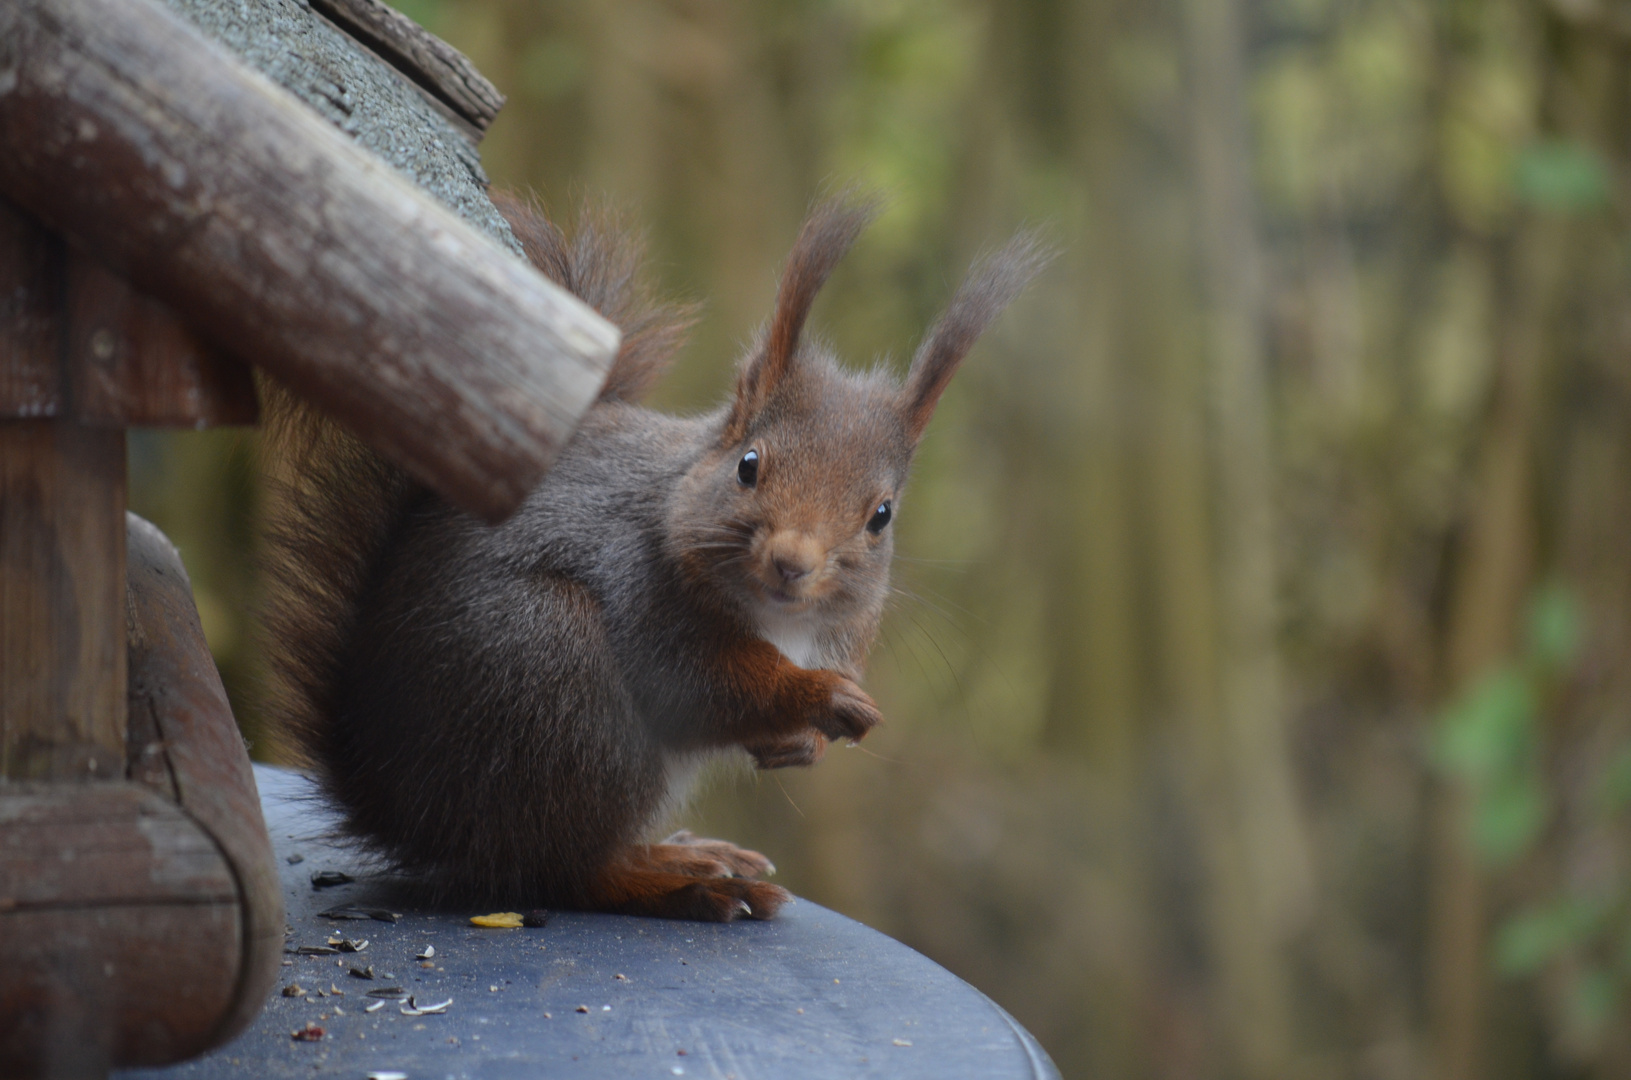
{"type": "Point", "coordinates": [788, 797]}
{"type": "Point", "coordinates": [880, 757]}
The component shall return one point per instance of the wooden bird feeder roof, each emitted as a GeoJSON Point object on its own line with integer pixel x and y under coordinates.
{"type": "Point", "coordinates": [262, 215]}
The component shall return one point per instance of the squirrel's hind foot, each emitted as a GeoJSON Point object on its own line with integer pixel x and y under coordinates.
{"type": "Point", "coordinates": [627, 889]}
{"type": "Point", "coordinates": [696, 856]}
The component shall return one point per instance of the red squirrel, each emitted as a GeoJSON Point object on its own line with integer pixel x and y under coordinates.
{"type": "Point", "coordinates": [502, 712]}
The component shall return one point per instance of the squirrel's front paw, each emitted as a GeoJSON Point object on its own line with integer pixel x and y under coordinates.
{"type": "Point", "coordinates": [849, 715]}
{"type": "Point", "coordinates": [800, 749]}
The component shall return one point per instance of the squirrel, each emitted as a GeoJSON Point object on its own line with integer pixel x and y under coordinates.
{"type": "Point", "coordinates": [502, 712]}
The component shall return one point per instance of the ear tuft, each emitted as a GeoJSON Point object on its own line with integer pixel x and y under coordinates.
{"type": "Point", "coordinates": [828, 232]}
{"type": "Point", "coordinates": [992, 284]}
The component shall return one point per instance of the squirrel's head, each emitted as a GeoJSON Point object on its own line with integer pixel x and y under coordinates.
{"type": "Point", "coordinates": [793, 507]}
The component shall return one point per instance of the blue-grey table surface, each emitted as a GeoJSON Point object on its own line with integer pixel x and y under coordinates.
{"type": "Point", "coordinates": [810, 994]}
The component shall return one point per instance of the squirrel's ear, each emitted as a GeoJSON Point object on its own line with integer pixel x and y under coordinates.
{"type": "Point", "coordinates": [991, 285]}
{"type": "Point", "coordinates": [828, 232]}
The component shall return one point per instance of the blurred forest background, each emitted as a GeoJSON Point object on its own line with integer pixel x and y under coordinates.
{"type": "Point", "coordinates": [1258, 685]}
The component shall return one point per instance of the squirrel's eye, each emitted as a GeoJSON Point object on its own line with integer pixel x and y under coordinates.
{"type": "Point", "coordinates": [747, 470]}
{"type": "Point", "coordinates": [880, 517]}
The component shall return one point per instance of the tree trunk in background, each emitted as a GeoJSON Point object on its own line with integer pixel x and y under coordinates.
{"type": "Point", "coordinates": [1497, 565]}
{"type": "Point", "coordinates": [1096, 709]}
{"type": "Point", "coordinates": [1264, 873]}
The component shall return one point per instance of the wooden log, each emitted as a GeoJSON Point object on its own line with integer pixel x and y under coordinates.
{"type": "Point", "coordinates": [141, 923]}
{"type": "Point", "coordinates": [180, 717]}
{"type": "Point", "coordinates": [62, 600]}
{"type": "Point", "coordinates": [31, 298]}
{"type": "Point", "coordinates": [126, 129]}
{"type": "Point", "coordinates": [427, 60]}
{"type": "Point", "coordinates": [131, 360]}
{"type": "Point", "coordinates": [120, 923]}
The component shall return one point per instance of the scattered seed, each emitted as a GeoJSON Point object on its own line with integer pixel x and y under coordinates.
{"type": "Point", "coordinates": [293, 990]}
{"type": "Point", "coordinates": [499, 920]}
{"type": "Point", "coordinates": [324, 879]}
{"type": "Point", "coordinates": [413, 1008]}
{"type": "Point", "coordinates": [296, 858]}
{"type": "Point", "coordinates": [583, 1008]}
{"type": "Point", "coordinates": [316, 950]}
{"type": "Point", "coordinates": [375, 1007]}
{"type": "Point", "coordinates": [430, 951]}
{"type": "Point", "coordinates": [335, 990]}
{"type": "Point", "coordinates": [346, 911]}
{"type": "Point", "coordinates": [624, 978]}
{"type": "Point", "coordinates": [394, 992]}
{"type": "Point", "coordinates": [903, 1042]}
{"type": "Point", "coordinates": [338, 1011]}
{"type": "Point", "coordinates": [349, 944]}
{"type": "Point", "coordinates": [387, 1076]}
{"type": "Point", "coordinates": [363, 973]}
{"type": "Point", "coordinates": [310, 1033]}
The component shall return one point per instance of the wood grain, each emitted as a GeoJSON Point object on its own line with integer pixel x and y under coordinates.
{"type": "Point", "coordinates": [121, 927]}
{"type": "Point", "coordinates": [226, 198]}
{"type": "Point", "coordinates": [62, 600]}
{"type": "Point", "coordinates": [178, 703]}
{"type": "Point", "coordinates": [427, 60]}
{"type": "Point", "coordinates": [31, 300]}
{"type": "Point", "coordinates": [131, 361]}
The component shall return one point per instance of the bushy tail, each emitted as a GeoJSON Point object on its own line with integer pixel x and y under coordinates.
{"type": "Point", "coordinates": [335, 507]}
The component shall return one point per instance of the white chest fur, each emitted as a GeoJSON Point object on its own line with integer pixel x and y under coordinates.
{"type": "Point", "coordinates": [798, 638]}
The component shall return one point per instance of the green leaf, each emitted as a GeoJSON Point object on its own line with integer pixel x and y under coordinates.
{"type": "Point", "coordinates": [1592, 999]}
{"type": "Point", "coordinates": [1614, 783]}
{"type": "Point", "coordinates": [1507, 819]}
{"type": "Point", "coordinates": [1489, 732]}
{"type": "Point", "coordinates": [1526, 942]}
{"type": "Point", "coordinates": [1554, 626]}
{"type": "Point", "coordinates": [1561, 176]}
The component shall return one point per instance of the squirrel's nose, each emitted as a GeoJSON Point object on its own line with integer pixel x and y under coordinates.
{"type": "Point", "coordinates": [794, 555]}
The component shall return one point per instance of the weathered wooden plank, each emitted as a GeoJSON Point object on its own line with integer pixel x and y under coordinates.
{"type": "Point", "coordinates": [131, 360]}
{"type": "Point", "coordinates": [423, 57]}
{"type": "Point", "coordinates": [88, 845]}
{"type": "Point", "coordinates": [31, 289]}
{"type": "Point", "coordinates": [146, 143]}
{"type": "Point", "coordinates": [62, 598]}
{"type": "Point", "coordinates": [121, 930]}
{"type": "Point", "coordinates": [176, 696]}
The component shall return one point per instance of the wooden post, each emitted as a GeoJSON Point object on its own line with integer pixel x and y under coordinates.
{"type": "Point", "coordinates": [62, 539]}
{"type": "Point", "coordinates": [221, 194]}
{"type": "Point", "coordinates": [62, 601]}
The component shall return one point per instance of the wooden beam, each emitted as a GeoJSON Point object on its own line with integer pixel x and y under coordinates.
{"type": "Point", "coordinates": [62, 601]}
{"type": "Point", "coordinates": [443, 71]}
{"type": "Point", "coordinates": [122, 929]}
{"type": "Point", "coordinates": [180, 720]}
{"type": "Point", "coordinates": [123, 127]}
{"type": "Point", "coordinates": [131, 361]}
{"type": "Point", "coordinates": [31, 320]}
